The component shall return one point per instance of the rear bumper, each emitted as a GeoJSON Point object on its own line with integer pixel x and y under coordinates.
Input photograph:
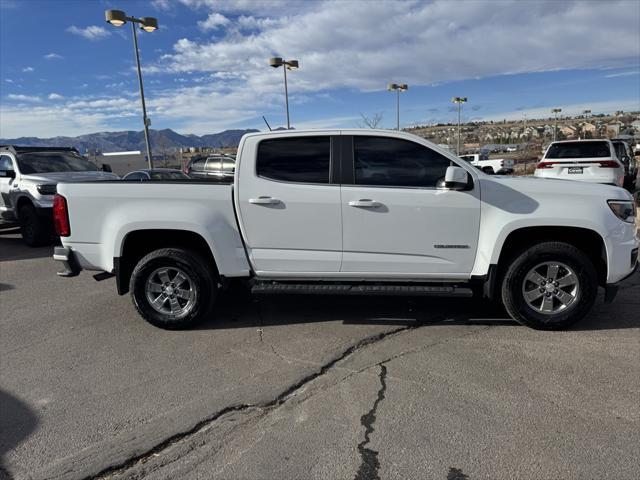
{"type": "Point", "coordinates": [69, 262]}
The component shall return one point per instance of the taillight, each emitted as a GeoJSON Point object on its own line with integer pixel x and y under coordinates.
{"type": "Point", "coordinates": [61, 216]}
{"type": "Point", "coordinates": [609, 164]}
{"type": "Point", "coordinates": [543, 165]}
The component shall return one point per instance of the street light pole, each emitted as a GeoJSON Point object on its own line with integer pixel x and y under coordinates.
{"type": "Point", "coordinates": [276, 62]}
{"type": "Point", "coordinates": [398, 87]}
{"type": "Point", "coordinates": [459, 101]}
{"type": "Point", "coordinates": [145, 119]}
{"type": "Point", "coordinates": [555, 112]}
{"type": "Point", "coordinates": [117, 18]}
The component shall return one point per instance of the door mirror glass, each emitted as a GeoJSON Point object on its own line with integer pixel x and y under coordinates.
{"type": "Point", "coordinates": [456, 178]}
{"type": "Point", "coordinates": [7, 174]}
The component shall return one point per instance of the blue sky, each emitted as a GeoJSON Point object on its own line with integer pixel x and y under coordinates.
{"type": "Point", "coordinates": [64, 71]}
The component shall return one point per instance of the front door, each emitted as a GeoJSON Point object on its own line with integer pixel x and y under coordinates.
{"type": "Point", "coordinates": [395, 221]}
{"type": "Point", "coordinates": [289, 206]}
{"type": "Point", "coordinates": [6, 180]}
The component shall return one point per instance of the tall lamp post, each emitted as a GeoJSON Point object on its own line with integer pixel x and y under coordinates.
{"type": "Point", "coordinates": [276, 62]}
{"type": "Point", "coordinates": [555, 112]}
{"type": "Point", "coordinates": [398, 87]}
{"type": "Point", "coordinates": [459, 101]}
{"type": "Point", "coordinates": [117, 18]}
{"type": "Point", "coordinates": [586, 114]}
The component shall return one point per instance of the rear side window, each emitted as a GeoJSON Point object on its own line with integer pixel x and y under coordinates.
{"type": "Point", "coordinates": [301, 159]}
{"type": "Point", "coordinates": [397, 163]}
{"type": "Point", "coordinates": [579, 150]}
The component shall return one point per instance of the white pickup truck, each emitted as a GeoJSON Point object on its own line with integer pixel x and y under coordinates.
{"type": "Point", "coordinates": [352, 212]}
{"type": "Point", "coordinates": [499, 166]}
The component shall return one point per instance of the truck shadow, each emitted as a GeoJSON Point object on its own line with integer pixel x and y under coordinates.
{"type": "Point", "coordinates": [12, 247]}
{"type": "Point", "coordinates": [17, 422]}
{"type": "Point", "coordinates": [238, 309]}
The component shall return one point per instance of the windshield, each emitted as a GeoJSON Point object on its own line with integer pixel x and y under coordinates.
{"type": "Point", "coordinates": [50, 162]}
{"type": "Point", "coordinates": [579, 150]}
{"type": "Point", "coordinates": [168, 176]}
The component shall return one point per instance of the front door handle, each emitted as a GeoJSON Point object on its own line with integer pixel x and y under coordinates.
{"type": "Point", "coordinates": [264, 201]}
{"type": "Point", "coordinates": [365, 203]}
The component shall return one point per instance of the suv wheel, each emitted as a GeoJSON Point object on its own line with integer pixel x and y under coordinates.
{"type": "Point", "coordinates": [550, 286]}
{"type": "Point", "coordinates": [172, 288]}
{"type": "Point", "coordinates": [35, 230]}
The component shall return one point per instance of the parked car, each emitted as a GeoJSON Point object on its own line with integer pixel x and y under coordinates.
{"type": "Point", "coordinates": [626, 156]}
{"type": "Point", "coordinates": [156, 174]}
{"type": "Point", "coordinates": [28, 179]}
{"type": "Point", "coordinates": [584, 160]}
{"type": "Point", "coordinates": [353, 212]}
{"type": "Point", "coordinates": [214, 167]}
{"type": "Point", "coordinates": [500, 166]}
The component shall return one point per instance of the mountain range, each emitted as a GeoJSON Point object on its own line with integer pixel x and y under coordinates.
{"type": "Point", "coordinates": [129, 140]}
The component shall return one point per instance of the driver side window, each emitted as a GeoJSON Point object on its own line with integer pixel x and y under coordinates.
{"type": "Point", "coordinates": [5, 163]}
{"type": "Point", "coordinates": [394, 162]}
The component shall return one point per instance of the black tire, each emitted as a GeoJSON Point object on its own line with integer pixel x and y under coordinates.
{"type": "Point", "coordinates": [513, 285]}
{"type": "Point", "coordinates": [199, 276]}
{"type": "Point", "coordinates": [36, 231]}
{"type": "Point", "coordinates": [488, 170]}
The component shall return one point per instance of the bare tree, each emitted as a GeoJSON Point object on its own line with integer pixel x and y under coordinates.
{"type": "Point", "coordinates": [371, 122]}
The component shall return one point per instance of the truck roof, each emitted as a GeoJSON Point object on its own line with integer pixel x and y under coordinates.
{"type": "Point", "coordinates": [18, 149]}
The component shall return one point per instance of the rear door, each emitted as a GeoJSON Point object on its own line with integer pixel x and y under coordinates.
{"type": "Point", "coordinates": [289, 205]}
{"type": "Point", "coordinates": [395, 221]}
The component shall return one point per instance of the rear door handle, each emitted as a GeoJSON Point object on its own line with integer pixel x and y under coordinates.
{"type": "Point", "coordinates": [264, 201]}
{"type": "Point", "coordinates": [364, 203]}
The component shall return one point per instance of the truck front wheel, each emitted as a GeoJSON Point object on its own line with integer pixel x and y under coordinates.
{"type": "Point", "coordinates": [550, 286]}
{"type": "Point", "coordinates": [172, 288]}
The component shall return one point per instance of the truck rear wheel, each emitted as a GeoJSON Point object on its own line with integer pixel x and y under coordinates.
{"type": "Point", "coordinates": [172, 288]}
{"type": "Point", "coordinates": [550, 286]}
{"type": "Point", "coordinates": [35, 230]}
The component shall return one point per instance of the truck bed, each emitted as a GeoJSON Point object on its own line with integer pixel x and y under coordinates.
{"type": "Point", "coordinates": [101, 214]}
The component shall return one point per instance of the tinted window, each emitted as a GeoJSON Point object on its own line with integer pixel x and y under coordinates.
{"type": "Point", "coordinates": [198, 164]}
{"type": "Point", "coordinates": [302, 159]}
{"type": "Point", "coordinates": [5, 163]}
{"type": "Point", "coordinates": [168, 175]}
{"type": "Point", "coordinates": [46, 162]}
{"type": "Point", "coordinates": [621, 149]}
{"type": "Point", "coordinates": [395, 162]}
{"type": "Point", "coordinates": [579, 150]}
{"type": "Point", "coordinates": [135, 176]}
{"type": "Point", "coordinates": [468, 158]}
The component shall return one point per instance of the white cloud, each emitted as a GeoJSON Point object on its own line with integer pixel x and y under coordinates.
{"type": "Point", "coordinates": [53, 56]}
{"type": "Point", "coordinates": [8, 80]}
{"type": "Point", "coordinates": [163, 5]}
{"type": "Point", "coordinates": [213, 22]}
{"type": "Point", "coordinates": [55, 96]}
{"type": "Point", "coordinates": [28, 69]}
{"type": "Point", "coordinates": [623, 74]}
{"type": "Point", "coordinates": [92, 32]}
{"type": "Point", "coordinates": [23, 98]}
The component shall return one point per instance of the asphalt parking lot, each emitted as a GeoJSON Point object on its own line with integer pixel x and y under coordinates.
{"type": "Point", "coordinates": [307, 387]}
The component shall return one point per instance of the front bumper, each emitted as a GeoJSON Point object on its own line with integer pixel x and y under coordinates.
{"type": "Point", "coordinates": [69, 262]}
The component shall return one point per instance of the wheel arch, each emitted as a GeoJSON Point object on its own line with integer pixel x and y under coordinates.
{"type": "Point", "coordinates": [585, 239]}
{"type": "Point", "coordinates": [138, 243]}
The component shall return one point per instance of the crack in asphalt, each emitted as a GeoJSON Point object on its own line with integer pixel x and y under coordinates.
{"type": "Point", "coordinates": [276, 402]}
{"type": "Point", "coordinates": [370, 464]}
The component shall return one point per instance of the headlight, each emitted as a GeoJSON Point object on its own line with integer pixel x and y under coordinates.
{"type": "Point", "coordinates": [625, 210]}
{"type": "Point", "coordinates": [46, 189]}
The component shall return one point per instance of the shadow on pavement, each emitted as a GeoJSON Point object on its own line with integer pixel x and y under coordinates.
{"type": "Point", "coordinates": [12, 247]}
{"type": "Point", "coordinates": [17, 422]}
{"type": "Point", "coordinates": [238, 309]}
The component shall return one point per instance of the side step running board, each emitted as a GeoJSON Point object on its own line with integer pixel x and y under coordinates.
{"type": "Point", "coordinates": [342, 289]}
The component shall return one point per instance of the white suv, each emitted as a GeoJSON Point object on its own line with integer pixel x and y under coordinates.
{"type": "Point", "coordinates": [585, 160]}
